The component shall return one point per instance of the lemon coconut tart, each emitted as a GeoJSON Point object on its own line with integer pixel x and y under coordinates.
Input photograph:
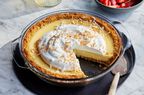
{"type": "Point", "coordinates": [53, 44]}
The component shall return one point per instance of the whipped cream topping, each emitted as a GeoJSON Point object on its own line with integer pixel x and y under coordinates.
{"type": "Point", "coordinates": [56, 47]}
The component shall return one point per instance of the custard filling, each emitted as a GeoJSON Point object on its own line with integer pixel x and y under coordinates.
{"type": "Point", "coordinates": [59, 47]}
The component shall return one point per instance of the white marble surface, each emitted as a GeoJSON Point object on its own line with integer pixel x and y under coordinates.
{"type": "Point", "coordinates": [12, 28]}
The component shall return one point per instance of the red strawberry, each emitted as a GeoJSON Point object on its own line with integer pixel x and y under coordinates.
{"type": "Point", "coordinates": [102, 1]}
{"type": "Point", "coordinates": [130, 3]}
{"type": "Point", "coordinates": [123, 5]}
{"type": "Point", "coordinates": [113, 2]}
{"type": "Point", "coordinates": [121, 1]}
{"type": "Point", "coordinates": [109, 3]}
{"type": "Point", "coordinates": [127, 4]}
{"type": "Point", "coordinates": [106, 2]}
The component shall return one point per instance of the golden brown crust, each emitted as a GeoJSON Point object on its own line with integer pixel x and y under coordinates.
{"type": "Point", "coordinates": [79, 74]}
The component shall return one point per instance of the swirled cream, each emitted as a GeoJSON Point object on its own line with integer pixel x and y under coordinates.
{"type": "Point", "coordinates": [56, 47]}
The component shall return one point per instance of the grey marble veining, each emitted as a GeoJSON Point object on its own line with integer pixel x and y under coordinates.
{"type": "Point", "coordinates": [12, 28]}
{"type": "Point", "coordinates": [9, 85]}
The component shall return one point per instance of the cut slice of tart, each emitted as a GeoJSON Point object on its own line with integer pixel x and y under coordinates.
{"type": "Point", "coordinates": [53, 44]}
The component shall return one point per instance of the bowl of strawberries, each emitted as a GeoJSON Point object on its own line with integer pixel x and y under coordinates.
{"type": "Point", "coordinates": [119, 6]}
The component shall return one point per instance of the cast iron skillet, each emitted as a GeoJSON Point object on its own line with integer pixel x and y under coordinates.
{"type": "Point", "coordinates": [91, 69]}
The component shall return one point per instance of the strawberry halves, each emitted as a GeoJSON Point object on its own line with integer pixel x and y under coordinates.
{"type": "Point", "coordinates": [113, 2]}
{"type": "Point", "coordinates": [121, 1]}
{"type": "Point", "coordinates": [106, 2]}
{"type": "Point", "coordinates": [127, 4]}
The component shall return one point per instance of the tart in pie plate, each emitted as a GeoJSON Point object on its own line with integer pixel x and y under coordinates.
{"type": "Point", "coordinates": [54, 44]}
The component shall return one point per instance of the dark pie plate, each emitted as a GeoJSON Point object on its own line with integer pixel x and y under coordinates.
{"type": "Point", "coordinates": [91, 69]}
{"type": "Point", "coordinates": [39, 87]}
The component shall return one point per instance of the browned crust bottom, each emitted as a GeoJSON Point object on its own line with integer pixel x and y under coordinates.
{"type": "Point", "coordinates": [60, 75]}
{"type": "Point", "coordinates": [31, 30]}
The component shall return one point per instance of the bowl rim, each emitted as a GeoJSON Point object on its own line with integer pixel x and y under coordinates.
{"type": "Point", "coordinates": [134, 6]}
{"type": "Point", "coordinates": [67, 81]}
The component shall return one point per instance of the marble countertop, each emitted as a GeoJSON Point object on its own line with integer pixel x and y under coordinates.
{"type": "Point", "coordinates": [12, 27]}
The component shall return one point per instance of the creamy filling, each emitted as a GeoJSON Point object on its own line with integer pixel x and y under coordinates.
{"type": "Point", "coordinates": [56, 47]}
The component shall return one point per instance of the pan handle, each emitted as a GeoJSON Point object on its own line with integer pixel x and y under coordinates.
{"type": "Point", "coordinates": [17, 58]}
{"type": "Point", "coordinates": [126, 40]}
